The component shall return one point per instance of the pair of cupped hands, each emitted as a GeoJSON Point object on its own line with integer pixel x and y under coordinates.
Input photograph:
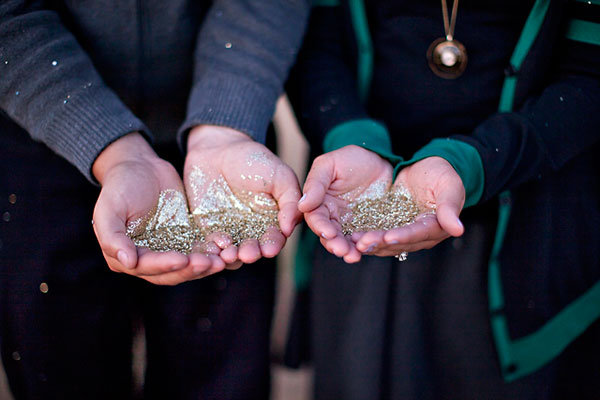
{"type": "Point", "coordinates": [132, 177]}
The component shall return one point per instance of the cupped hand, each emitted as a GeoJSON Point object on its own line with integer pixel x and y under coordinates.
{"type": "Point", "coordinates": [435, 186]}
{"type": "Point", "coordinates": [335, 180]}
{"type": "Point", "coordinates": [132, 177]}
{"type": "Point", "coordinates": [226, 170]}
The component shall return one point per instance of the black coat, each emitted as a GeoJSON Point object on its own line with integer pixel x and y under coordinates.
{"type": "Point", "coordinates": [544, 151]}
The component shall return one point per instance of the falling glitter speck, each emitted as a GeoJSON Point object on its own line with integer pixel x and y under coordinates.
{"type": "Point", "coordinates": [17, 93]}
{"type": "Point", "coordinates": [54, 63]}
{"type": "Point", "coordinates": [228, 45]}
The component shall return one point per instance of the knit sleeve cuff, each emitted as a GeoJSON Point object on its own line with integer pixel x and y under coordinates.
{"type": "Point", "coordinates": [465, 160]}
{"type": "Point", "coordinates": [366, 133]}
{"type": "Point", "coordinates": [86, 123]}
{"type": "Point", "coordinates": [231, 102]}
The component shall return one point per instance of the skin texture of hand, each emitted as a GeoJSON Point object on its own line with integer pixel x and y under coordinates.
{"type": "Point", "coordinates": [334, 180]}
{"type": "Point", "coordinates": [247, 167]}
{"type": "Point", "coordinates": [433, 183]}
{"type": "Point", "coordinates": [132, 177]}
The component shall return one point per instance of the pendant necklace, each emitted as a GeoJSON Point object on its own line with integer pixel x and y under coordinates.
{"type": "Point", "coordinates": [447, 57]}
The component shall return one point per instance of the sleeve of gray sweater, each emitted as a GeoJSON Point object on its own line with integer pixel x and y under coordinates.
{"type": "Point", "coordinates": [243, 54]}
{"type": "Point", "coordinates": [49, 86]}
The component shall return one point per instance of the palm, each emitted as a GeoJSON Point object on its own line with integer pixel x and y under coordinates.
{"type": "Point", "coordinates": [336, 180]}
{"type": "Point", "coordinates": [230, 173]}
{"type": "Point", "coordinates": [435, 186]}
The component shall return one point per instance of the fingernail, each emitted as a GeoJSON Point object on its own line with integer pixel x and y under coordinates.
{"type": "Point", "coordinates": [324, 236]}
{"type": "Point", "coordinates": [393, 242]}
{"type": "Point", "coordinates": [302, 198]}
{"type": "Point", "coordinates": [370, 249]}
{"type": "Point", "coordinates": [459, 222]}
{"type": "Point", "coordinates": [123, 258]}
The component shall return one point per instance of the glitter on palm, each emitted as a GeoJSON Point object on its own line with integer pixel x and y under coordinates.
{"type": "Point", "coordinates": [244, 216]}
{"type": "Point", "coordinates": [170, 226]}
{"type": "Point", "coordinates": [379, 209]}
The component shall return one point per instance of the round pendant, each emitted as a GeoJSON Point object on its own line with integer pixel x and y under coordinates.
{"type": "Point", "coordinates": [447, 58]}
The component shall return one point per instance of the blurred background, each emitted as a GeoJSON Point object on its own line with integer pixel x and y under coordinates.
{"type": "Point", "coordinates": [288, 384]}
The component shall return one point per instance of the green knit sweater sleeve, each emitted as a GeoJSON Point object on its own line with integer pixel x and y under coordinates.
{"type": "Point", "coordinates": [463, 157]}
{"type": "Point", "coordinates": [366, 133]}
{"type": "Point", "coordinates": [372, 135]}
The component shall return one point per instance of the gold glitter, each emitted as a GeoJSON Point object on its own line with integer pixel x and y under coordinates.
{"type": "Point", "coordinates": [379, 210]}
{"type": "Point", "coordinates": [243, 216]}
{"type": "Point", "coordinates": [170, 226]}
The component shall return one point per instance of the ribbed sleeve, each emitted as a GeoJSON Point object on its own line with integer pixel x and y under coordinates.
{"type": "Point", "coordinates": [244, 52]}
{"type": "Point", "coordinates": [49, 86]}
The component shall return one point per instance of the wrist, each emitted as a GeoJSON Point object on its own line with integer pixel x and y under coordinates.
{"type": "Point", "coordinates": [131, 147]}
{"type": "Point", "coordinates": [213, 136]}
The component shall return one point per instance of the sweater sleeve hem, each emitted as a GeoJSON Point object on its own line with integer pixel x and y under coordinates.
{"type": "Point", "coordinates": [229, 102]}
{"type": "Point", "coordinates": [465, 160]}
{"type": "Point", "coordinates": [85, 124]}
{"type": "Point", "coordinates": [366, 133]}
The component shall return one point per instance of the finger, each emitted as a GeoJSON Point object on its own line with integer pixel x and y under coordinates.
{"type": "Point", "coordinates": [338, 246]}
{"type": "Point", "coordinates": [217, 266]}
{"type": "Point", "coordinates": [289, 216]}
{"type": "Point", "coordinates": [423, 229]}
{"type": "Point", "coordinates": [221, 239]}
{"type": "Point", "coordinates": [271, 242]}
{"type": "Point", "coordinates": [249, 251]}
{"type": "Point", "coordinates": [449, 206]}
{"type": "Point", "coordinates": [319, 221]}
{"type": "Point", "coordinates": [200, 263]}
{"type": "Point", "coordinates": [156, 263]}
{"type": "Point", "coordinates": [353, 256]}
{"type": "Point", "coordinates": [211, 250]}
{"type": "Point", "coordinates": [286, 191]}
{"type": "Point", "coordinates": [207, 247]}
{"type": "Point", "coordinates": [229, 255]}
{"type": "Point", "coordinates": [176, 277]}
{"type": "Point", "coordinates": [109, 226]}
{"type": "Point", "coordinates": [356, 236]}
{"type": "Point", "coordinates": [387, 251]}
{"type": "Point", "coordinates": [317, 182]}
{"type": "Point", "coordinates": [370, 241]}
{"type": "Point", "coordinates": [234, 265]}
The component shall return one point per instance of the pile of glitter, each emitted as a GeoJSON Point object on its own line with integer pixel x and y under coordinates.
{"type": "Point", "coordinates": [243, 216]}
{"type": "Point", "coordinates": [377, 210]}
{"type": "Point", "coordinates": [168, 227]}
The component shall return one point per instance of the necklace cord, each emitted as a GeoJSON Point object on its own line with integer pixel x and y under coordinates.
{"type": "Point", "coordinates": [449, 26]}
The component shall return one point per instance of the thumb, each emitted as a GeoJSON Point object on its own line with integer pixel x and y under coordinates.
{"type": "Point", "coordinates": [450, 200]}
{"type": "Point", "coordinates": [109, 226]}
{"type": "Point", "coordinates": [317, 183]}
{"type": "Point", "coordinates": [286, 191]}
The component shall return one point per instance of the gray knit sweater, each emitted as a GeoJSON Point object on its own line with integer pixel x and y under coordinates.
{"type": "Point", "coordinates": [77, 75]}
